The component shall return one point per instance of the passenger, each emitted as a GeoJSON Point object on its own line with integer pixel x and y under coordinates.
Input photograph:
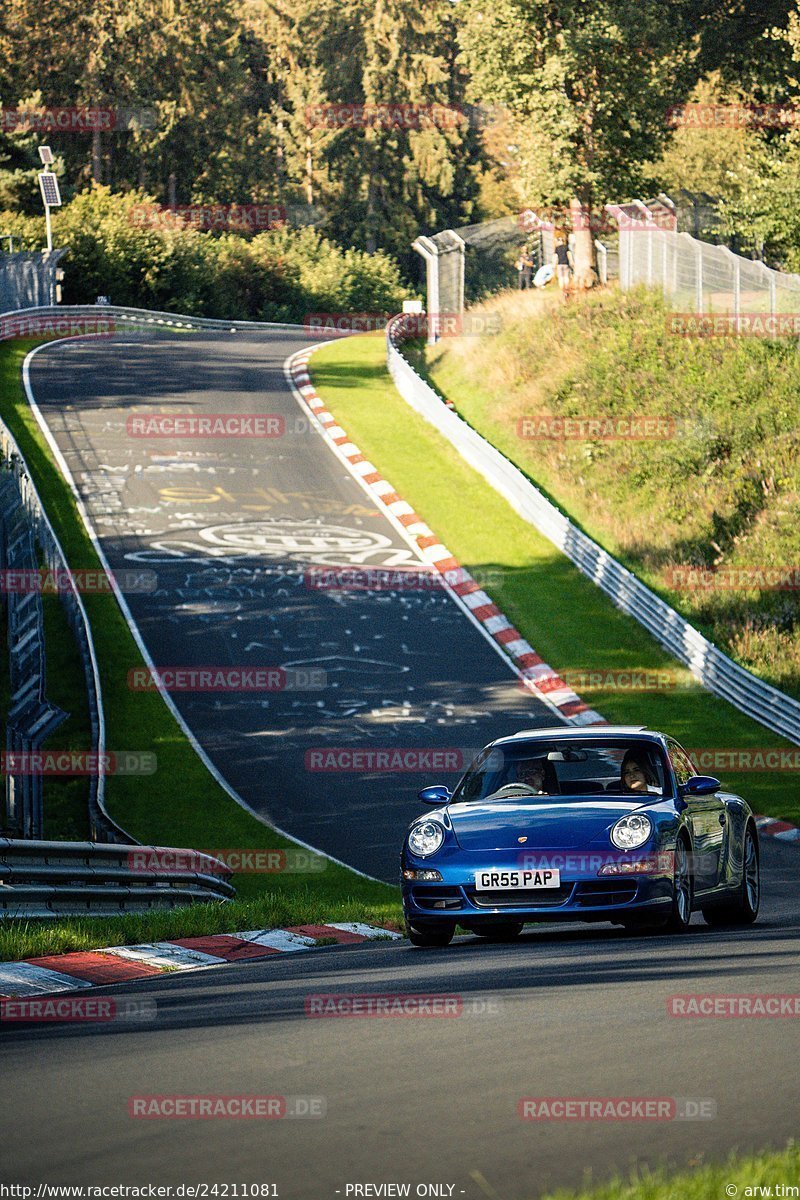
{"type": "Point", "coordinates": [636, 774]}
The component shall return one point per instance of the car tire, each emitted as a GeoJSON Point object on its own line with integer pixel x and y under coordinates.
{"type": "Point", "coordinates": [430, 935]}
{"type": "Point", "coordinates": [743, 910]}
{"type": "Point", "coordinates": [500, 931]}
{"type": "Point", "coordinates": [682, 891]}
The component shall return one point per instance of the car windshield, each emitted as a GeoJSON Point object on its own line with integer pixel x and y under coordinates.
{"type": "Point", "coordinates": [546, 769]}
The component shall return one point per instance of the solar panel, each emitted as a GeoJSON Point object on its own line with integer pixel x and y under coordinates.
{"type": "Point", "coordinates": [48, 183]}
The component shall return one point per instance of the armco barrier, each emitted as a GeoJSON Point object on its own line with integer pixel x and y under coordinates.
{"type": "Point", "coordinates": [102, 827]}
{"type": "Point", "coordinates": [32, 717]}
{"type": "Point", "coordinates": [128, 317]}
{"type": "Point", "coordinates": [59, 879]}
{"type": "Point", "coordinates": [707, 663]}
{"type": "Point", "coordinates": [14, 323]}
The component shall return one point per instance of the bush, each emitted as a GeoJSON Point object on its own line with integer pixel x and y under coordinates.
{"type": "Point", "coordinates": [279, 275]}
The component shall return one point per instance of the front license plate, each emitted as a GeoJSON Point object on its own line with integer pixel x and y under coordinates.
{"type": "Point", "coordinates": [500, 880]}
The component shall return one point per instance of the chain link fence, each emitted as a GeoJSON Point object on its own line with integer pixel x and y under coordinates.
{"type": "Point", "coordinates": [465, 265]}
{"type": "Point", "coordinates": [699, 278]}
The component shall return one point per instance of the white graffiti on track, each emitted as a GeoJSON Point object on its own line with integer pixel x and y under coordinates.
{"type": "Point", "coordinates": [298, 539]}
{"type": "Point", "coordinates": [334, 664]}
{"type": "Point", "coordinates": [292, 540]}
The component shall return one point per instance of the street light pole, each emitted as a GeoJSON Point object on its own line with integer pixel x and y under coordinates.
{"type": "Point", "coordinates": [49, 227]}
{"type": "Point", "coordinates": [51, 198]}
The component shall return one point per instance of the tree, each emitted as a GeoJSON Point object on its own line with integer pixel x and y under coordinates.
{"type": "Point", "coordinates": [589, 85]}
{"type": "Point", "coordinates": [418, 175]}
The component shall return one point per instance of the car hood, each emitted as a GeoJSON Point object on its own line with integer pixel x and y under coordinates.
{"type": "Point", "coordinates": [561, 823]}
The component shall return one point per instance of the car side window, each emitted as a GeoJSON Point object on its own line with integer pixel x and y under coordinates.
{"type": "Point", "coordinates": [470, 786]}
{"type": "Point", "coordinates": [681, 763]}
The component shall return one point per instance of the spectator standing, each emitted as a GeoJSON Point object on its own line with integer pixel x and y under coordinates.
{"type": "Point", "coordinates": [561, 261]}
{"type": "Point", "coordinates": [525, 265]}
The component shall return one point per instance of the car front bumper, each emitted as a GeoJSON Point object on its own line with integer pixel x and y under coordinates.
{"type": "Point", "coordinates": [583, 898]}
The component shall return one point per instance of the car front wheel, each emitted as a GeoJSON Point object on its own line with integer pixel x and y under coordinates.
{"type": "Point", "coordinates": [430, 935]}
{"type": "Point", "coordinates": [682, 891]}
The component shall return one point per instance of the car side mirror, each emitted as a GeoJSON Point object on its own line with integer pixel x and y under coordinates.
{"type": "Point", "coordinates": [700, 785]}
{"type": "Point", "coordinates": [436, 794]}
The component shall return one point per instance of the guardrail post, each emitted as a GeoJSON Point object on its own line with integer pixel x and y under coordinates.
{"type": "Point", "coordinates": [430, 252]}
{"type": "Point", "coordinates": [602, 261]}
{"type": "Point", "coordinates": [772, 285]}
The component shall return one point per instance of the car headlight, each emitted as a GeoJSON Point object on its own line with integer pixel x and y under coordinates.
{"type": "Point", "coordinates": [425, 838]}
{"type": "Point", "coordinates": [631, 831]}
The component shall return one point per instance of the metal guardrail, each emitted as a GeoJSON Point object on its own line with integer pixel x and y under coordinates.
{"type": "Point", "coordinates": [56, 879]}
{"type": "Point", "coordinates": [715, 670]}
{"type": "Point", "coordinates": [32, 717]}
{"type": "Point", "coordinates": [12, 323]}
{"type": "Point", "coordinates": [102, 826]}
{"type": "Point", "coordinates": [48, 879]}
{"type": "Point", "coordinates": [18, 323]}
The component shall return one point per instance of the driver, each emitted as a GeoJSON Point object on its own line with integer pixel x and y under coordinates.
{"type": "Point", "coordinates": [531, 772]}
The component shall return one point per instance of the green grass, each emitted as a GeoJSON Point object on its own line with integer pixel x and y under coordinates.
{"type": "Point", "coordinates": [569, 622]}
{"type": "Point", "coordinates": [65, 799]}
{"type": "Point", "coordinates": [722, 491]}
{"type": "Point", "coordinates": [303, 904]}
{"type": "Point", "coordinates": [706, 1181]}
{"type": "Point", "coordinates": [181, 804]}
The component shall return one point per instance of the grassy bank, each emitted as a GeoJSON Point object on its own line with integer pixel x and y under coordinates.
{"type": "Point", "coordinates": [719, 490]}
{"type": "Point", "coordinates": [181, 804]}
{"type": "Point", "coordinates": [569, 622]}
{"type": "Point", "coordinates": [741, 1175]}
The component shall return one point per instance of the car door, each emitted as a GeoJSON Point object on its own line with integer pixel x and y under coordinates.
{"type": "Point", "coordinates": [707, 818]}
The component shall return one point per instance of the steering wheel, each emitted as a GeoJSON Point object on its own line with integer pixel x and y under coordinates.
{"type": "Point", "coordinates": [513, 789]}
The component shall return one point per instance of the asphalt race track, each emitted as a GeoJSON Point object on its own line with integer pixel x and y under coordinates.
{"type": "Point", "coordinates": [229, 526]}
{"type": "Point", "coordinates": [572, 1012]}
{"type": "Point", "coordinates": [566, 1011]}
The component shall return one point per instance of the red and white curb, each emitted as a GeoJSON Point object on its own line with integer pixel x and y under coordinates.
{"type": "Point", "coordinates": [782, 831]}
{"type": "Point", "coordinates": [121, 964]}
{"type": "Point", "coordinates": [537, 675]}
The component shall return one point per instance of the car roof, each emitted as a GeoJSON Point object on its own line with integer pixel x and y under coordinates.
{"type": "Point", "coordinates": [584, 734]}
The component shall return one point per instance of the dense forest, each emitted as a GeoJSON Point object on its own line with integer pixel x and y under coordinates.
{"type": "Point", "coordinates": [457, 111]}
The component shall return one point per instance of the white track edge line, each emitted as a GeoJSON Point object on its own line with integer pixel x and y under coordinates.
{"type": "Point", "coordinates": [126, 612]}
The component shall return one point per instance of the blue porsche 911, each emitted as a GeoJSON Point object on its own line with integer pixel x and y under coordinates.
{"type": "Point", "coordinates": [608, 823]}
